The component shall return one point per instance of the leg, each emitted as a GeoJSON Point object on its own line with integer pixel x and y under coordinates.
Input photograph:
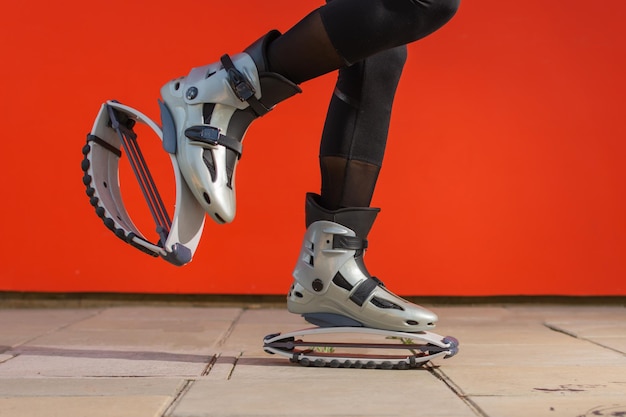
{"type": "Point", "coordinates": [355, 133]}
{"type": "Point", "coordinates": [344, 32]}
{"type": "Point", "coordinates": [332, 286]}
{"type": "Point", "coordinates": [208, 112]}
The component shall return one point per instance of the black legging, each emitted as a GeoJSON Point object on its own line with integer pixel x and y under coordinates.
{"type": "Point", "coordinates": [355, 133]}
{"type": "Point", "coordinates": [365, 40]}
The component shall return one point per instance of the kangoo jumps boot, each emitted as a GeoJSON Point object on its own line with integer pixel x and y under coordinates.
{"type": "Point", "coordinates": [332, 286]}
{"type": "Point", "coordinates": [206, 114]}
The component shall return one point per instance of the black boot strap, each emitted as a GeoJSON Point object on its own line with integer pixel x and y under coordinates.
{"type": "Point", "coordinates": [349, 242]}
{"type": "Point", "coordinates": [363, 291]}
{"type": "Point", "coordinates": [212, 136]}
{"type": "Point", "coordinates": [242, 87]}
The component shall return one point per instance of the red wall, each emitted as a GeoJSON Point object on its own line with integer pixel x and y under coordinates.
{"type": "Point", "coordinates": [505, 170]}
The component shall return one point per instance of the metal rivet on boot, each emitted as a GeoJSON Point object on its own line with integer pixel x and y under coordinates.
{"type": "Point", "coordinates": [317, 285]}
{"type": "Point", "coordinates": [192, 93]}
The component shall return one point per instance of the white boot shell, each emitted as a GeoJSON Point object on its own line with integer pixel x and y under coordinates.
{"type": "Point", "coordinates": [328, 282]}
{"type": "Point", "coordinates": [185, 98]}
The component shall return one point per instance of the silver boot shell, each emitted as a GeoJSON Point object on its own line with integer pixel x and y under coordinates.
{"type": "Point", "coordinates": [185, 98]}
{"type": "Point", "coordinates": [331, 284]}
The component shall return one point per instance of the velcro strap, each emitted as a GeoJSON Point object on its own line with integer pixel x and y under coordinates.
{"type": "Point", "coordinates": [349, 242]}
{"type": "Point", "coordinates": [242, 87]}
{"type": "Point", "coordinates": [363, 291]}
{"type": "Point", "coordinates": [212, 136]}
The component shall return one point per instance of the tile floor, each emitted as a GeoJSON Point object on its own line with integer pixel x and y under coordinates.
{"type": "Point", "coordinates": [177, 361]}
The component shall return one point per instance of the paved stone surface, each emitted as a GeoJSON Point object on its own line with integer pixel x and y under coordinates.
{"type": "Point", "coordinates": [135, 406]}
{"type": "Point", "coordinates": [21, 325]}
{"type": "Point", "coordinates": [375, 393]}
{"type": "Point", "coordinates": [160, 361]}
{"type": "Point", "coordinates": [79, 397]}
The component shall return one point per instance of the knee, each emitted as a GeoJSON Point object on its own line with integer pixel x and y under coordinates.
{"type": "Point", "coordinates": [441, 10]}
{"type": "Point", "coordinates": [448, 8]}
{"type": "Point", "coordinates": [430, 15]}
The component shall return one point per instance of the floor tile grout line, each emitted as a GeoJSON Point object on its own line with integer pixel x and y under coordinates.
{"type": "Point", "coordinates": [186, 386]}
{"type": "Point", "coordinates": [231, 328]}
{"type": "Point", "coordinates": [232, 370]}
{"type": "Point", "coordinates": [209, 366]}
{"type": "Point", "coordinates": [575, 336]}
{"type": "Point", "coordinates": [441, 375]}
